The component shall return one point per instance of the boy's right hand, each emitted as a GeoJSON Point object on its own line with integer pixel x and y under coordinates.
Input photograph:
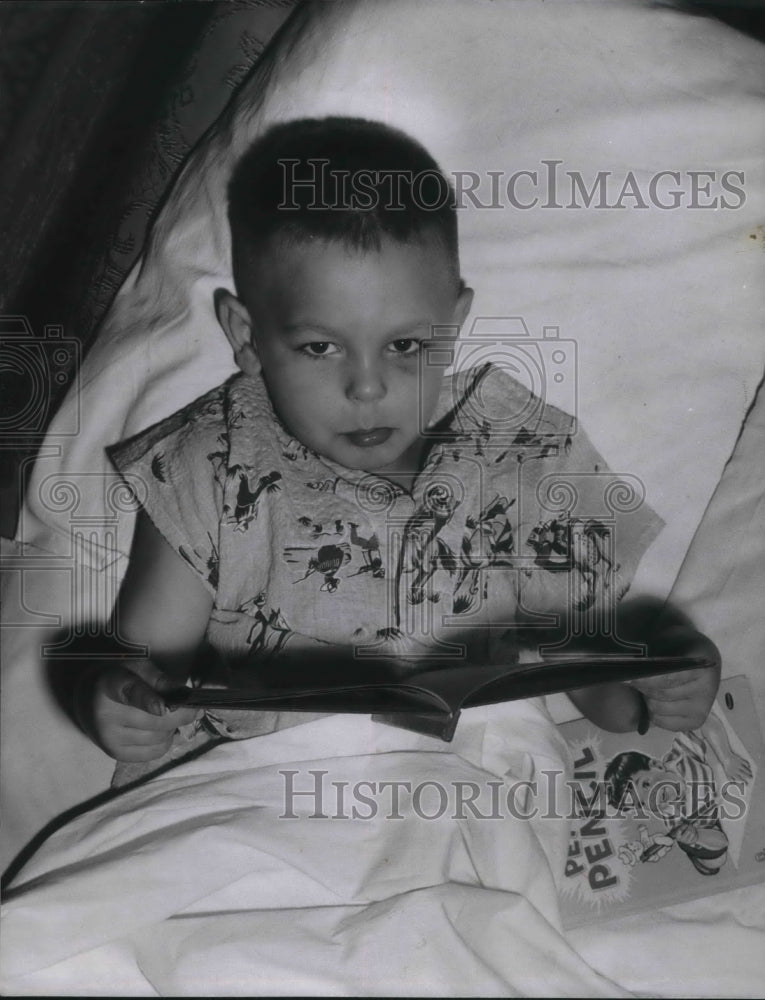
{"type": "Point", "coordinates": [127, 715]}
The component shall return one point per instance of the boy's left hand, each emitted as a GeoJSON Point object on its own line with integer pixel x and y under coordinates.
{"type": "Point", "coordinates": [680, 701]}
{"type": "Point", "coordinates": [683, 700]}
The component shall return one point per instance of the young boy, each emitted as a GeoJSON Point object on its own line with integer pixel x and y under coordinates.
{"type": "Point", "coordinates": [340, 494]}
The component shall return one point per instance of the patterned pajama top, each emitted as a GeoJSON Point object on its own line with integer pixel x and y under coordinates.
{"type": "Point", "coordinates": [513, 521]}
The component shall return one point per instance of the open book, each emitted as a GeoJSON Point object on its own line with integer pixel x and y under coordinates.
{"type": "Point", "coordinates": [428, 698]}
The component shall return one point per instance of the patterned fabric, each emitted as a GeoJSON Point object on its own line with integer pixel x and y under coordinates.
{"type": "Point", "coordinates": [513, 517]}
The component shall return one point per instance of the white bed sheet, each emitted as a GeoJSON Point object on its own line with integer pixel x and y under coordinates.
{"type": "Point", "coordinates": [219, 895]}
{"type": "Point", "coordinates": [196, 884]}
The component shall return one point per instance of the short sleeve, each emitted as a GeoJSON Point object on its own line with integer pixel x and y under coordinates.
{"type": "Point", "coordinates": [582, 529]}
{"type": "Point", "coordinates": [177, 470]}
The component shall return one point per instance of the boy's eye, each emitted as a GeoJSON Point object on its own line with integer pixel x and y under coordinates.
{"type": "Point", "coordinates": [318, 348]}
{"type": "Point", "coordinates": [406, 345]}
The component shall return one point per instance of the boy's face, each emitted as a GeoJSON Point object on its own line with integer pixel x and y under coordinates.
{"type": "Point", "coordinates": [339, 336]}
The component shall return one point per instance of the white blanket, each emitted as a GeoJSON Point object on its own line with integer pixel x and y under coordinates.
{"type": "Point", "coordinates": [218, 892]}
{"type": "Point", "coordinates": [190, 884]}
{"type": "Point", "coordinates": [246, 872]}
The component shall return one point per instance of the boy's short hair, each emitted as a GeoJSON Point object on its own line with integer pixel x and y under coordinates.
{"type": "Point", "coordinates": [620, 772]}
{"type": "Point", "coordinates": [346, 179]}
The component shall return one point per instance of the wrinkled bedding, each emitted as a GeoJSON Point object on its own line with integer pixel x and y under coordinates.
{"type": "Point", "coordinates": [376, 904]}
{"type": "Point", "coordinates": [246, 872]}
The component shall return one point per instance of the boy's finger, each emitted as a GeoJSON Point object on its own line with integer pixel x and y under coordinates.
{"type": "Point", "coordinates": [125, 688]}
{"type": "Point", "coordinates": [184, 715]}
{"type": "Point", "coordinates": [150, 673]}
{"type": "Point", "coordinates": [676, 715]}
{"type": "Point", "coordinates": [132, 717]}
{"type": "Point", "coordinates": [138, 694]}
{"type": "Point", "coordinates": [129, 689]}
{"type": "Point", "coordinates": [668, 685]}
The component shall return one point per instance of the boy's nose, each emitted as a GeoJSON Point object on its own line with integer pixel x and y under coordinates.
{"type": "Point", "coordinates": [365, 383]}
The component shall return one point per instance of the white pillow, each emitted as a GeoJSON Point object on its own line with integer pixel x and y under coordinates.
{"type": "Point", "coordinates": [663, 304]}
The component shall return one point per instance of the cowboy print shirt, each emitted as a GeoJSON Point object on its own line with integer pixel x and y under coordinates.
{"type": "Point", "coordinates": [514, 520]}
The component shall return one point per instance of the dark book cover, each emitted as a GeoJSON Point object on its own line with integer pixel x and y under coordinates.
{"type": "Point", "coordinates": [427, 698]}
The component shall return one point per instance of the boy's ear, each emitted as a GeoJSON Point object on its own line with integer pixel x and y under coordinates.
{"type": "Point", "coordinates": [235, 321]}
{"type": "Point", "coordinates": [464, 304]}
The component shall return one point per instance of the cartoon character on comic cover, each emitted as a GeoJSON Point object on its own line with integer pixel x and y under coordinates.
{"type": "Point", "coordinates": [680, 789]}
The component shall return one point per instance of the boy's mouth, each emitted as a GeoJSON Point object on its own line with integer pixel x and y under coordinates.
{"type": "Point", "coordinates": [370, 438]}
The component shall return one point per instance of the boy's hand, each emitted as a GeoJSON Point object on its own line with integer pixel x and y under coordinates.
{"type": "Point", "coordinates": [682, 700]}
{"type": "Point", "coordinates": [127, 716]}
{"type": "Point", "coordinates": [679, 701]}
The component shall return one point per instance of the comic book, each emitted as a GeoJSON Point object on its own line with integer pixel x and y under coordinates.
{"type": "Point", "coordinates": [664, 817]}
{"type": "Point", "coordinates": [428, 698]}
